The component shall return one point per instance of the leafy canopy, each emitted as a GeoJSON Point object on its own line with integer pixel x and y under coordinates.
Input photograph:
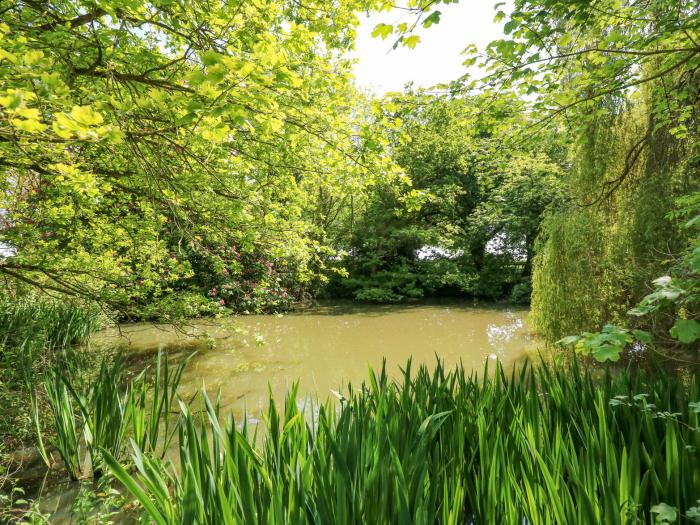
{"type": "Point", "coordinates": [132, 132]}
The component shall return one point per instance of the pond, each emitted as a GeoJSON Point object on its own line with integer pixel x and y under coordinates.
{"type": "Point", "coordinates": [328, 346]}
{"type": "Point", "coordinates": [323, 348]}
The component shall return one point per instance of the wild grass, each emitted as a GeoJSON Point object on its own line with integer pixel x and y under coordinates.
{"type": "Point", "coordinates": [542, 445]}
{"type": "Point", "coordinates": [37, 334]}
{"type": "Point", "coordinates": [47, 324]}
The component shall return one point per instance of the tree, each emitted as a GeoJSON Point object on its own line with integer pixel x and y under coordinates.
{"type": "Point", "coordinates": [467, 184]}
{"type": "Point", "coordinates": [565, 56]}
{"type": "Point", "coordinates": [133, 133]}
{"type": "Point", "coordinates": [620, 79]}
{"type": "Point", "coordinates": [519, 199]}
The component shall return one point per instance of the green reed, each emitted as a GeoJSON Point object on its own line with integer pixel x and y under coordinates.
{"type": "Point", "coordinates": [38, 334]}
{"type": "Point", "coordinates": [540, 445]}
{"type": "Point", "coordinates": [152, 399]}
{"type": "Point", "coordinates": [47, 324]}
{"type": "Point", "coordinates": [89, 417]}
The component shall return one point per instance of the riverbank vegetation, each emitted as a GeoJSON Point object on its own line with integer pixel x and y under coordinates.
{"type": "Point", "coordinates": [546, 443]}
{"type": "Point", "coordinates": [171, 160]}
{"type": "Point", "coordinates": [38, 335]}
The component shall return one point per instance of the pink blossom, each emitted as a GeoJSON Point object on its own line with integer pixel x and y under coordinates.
{"type": "Point", "coordinates": [227, 286]}
{"type": "Point", "coordinates": [284, 295]}
{"type": "Point", "coordinates": [225, 272]}
{"type": "Point", "coordinates": [222, 302]}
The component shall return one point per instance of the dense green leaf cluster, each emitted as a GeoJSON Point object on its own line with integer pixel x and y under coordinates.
{"type": "Point", "coordinates": [672, 308]}
{"type": "Point", "coordinates": [464, 218]}
{"type": "Point", "coordinates": [620, 81]}
{"type": "Point", "coordinates": [133, 134]}
{"type": "Point", "coordinates": [624, 90]}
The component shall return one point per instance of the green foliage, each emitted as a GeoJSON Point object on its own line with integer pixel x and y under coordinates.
{"type": "Point", "coordinates": [388, 286]}
{"type": "Point", "coordinates": [624, 92]}
{"type": "Point", "coordinates": [521, 292]}
{"type": "Point", "coordinates": [597, 254]}
{"type": "Point", "coordinates": [47, 329]}
{"type": "Point", "coordinates": [619, 80]}
{"type": "Point", "coordinates": [686, 330]}
{"type": "Point", "coordinates": [15, 508]}
{"type": "Point", "coordinates": [35, 321]}
{"type": "Point", "coordinates": [664, 513]}
{"type": "Point", "coordinates": [608, 344]}
{"type": "Point", "coordinates": [546, 445]}
{"type": "Point", "coordinates": [96, 504]}
{"type": "Point", "coordinates": [133, 134]}
{"type": "Point", "coordinates": [678, 296]}
{"type": "Point", "coordinates": [465, 185]}
{"type": "Point", "coordinates": [176, 307]}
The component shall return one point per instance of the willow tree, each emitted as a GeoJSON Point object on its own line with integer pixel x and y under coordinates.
{"type": "Point", "coordinates": [130, 130]}
{"type": "Point", "coordinates": [620, 79]}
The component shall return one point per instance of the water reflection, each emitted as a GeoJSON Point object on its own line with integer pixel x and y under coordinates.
{"type": "Point", "coordinates": [499, 335]}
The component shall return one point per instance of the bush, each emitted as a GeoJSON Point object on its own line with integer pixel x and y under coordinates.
{"type": "Point", "coordinates": [234, 280]}
{"type": "Point", "coordinates": [521, 292]}
{"type": "Point", "coordinates": [440, 277]}
{"type": "Point", "coordinates": [178, 306]}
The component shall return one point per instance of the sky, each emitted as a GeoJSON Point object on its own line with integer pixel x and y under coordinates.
{"type": "Point", "coordinates": [436, 59]}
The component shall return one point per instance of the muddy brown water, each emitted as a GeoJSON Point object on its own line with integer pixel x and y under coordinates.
{"type": "Point", "coordinates": [326, 347]}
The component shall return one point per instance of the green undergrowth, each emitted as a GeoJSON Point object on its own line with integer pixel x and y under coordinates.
{"type": "Point", "coordinates": [89, 417]}
{"type": "Point", "coordinates": [38, 334]}
{"type": "Point", "coordinates": [47, 323]}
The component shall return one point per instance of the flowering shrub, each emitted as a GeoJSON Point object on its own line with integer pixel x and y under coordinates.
{"type": "Point", "coordinates": [248, 283]}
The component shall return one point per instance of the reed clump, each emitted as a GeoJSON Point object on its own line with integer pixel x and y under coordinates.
{"type": "Point", "coordinates": [541, 445]}
{"type": "Point", "coordinates": [47, 324]}
{"type": "Point", "coordinates": [90, 416]}
{"type": "Point", "coordinates": [37, 335]}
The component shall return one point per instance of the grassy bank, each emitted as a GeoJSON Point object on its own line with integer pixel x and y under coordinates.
{"type": "Point", "coordinates": [546, 443]}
